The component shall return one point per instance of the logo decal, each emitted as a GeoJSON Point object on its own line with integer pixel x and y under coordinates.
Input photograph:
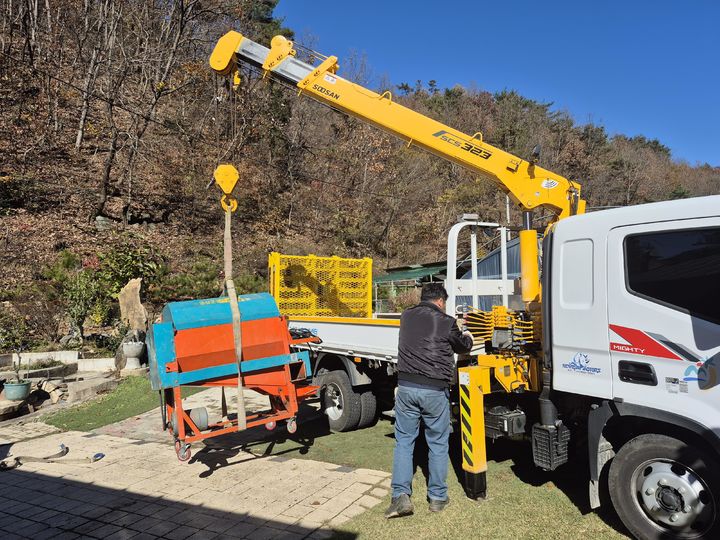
{"type": "Point", "coordinates": [325, 91]}
{"type": "Point", "coordinates": [580, 363]}
{"type": "Point", "coordinates": [639, 342]}
{"type": "Point", "coordinates": [462, 144]}
{"type": "Point", "coordinates": [329, 78]}
{"type": "Point", "coordinates": [549, 183]}
{"type": "Point", "coordinates": [705, 373]}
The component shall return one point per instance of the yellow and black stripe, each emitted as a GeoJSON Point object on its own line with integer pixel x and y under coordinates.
{"type": "Point", "coordinates": [474, 382]}
{"type": "Point", "coordinates": [466, 426]}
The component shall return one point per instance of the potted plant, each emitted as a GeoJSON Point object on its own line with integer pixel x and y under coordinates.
{"type": "Point", "coordinates": [14, 337]}
{"type": "Point", "coordinates": [18, 390]}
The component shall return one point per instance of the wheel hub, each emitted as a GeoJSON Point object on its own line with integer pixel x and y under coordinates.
{"type": "Point", "coordinates": [333, 401]}
{"type": "Point", "coordinates": [674, 497]}
{"type": "Point", "coordinates": [669, 499]}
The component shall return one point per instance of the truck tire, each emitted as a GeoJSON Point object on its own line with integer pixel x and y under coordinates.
{"type": "Point", "coordinates": [340, 403]}
{"type": "Point", "coordinates": [368, 409]}
{"type": "Point", "coordinates": [664, 488]}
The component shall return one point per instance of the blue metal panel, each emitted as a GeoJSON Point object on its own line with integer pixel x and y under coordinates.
{"type": "Point", "coordinates": [216, 311]}
{"type": "Point", "coordinates": [170, 380]}
{"type": "Point", "coordinates": [305, 357]}
{"type": "Point", "coordinates": [161, 351]}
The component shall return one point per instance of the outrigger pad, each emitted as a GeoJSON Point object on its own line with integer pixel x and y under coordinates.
{"type": "Point", "coordinates": [475, 485]}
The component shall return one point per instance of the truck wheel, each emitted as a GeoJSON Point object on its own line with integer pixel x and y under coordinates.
{"type": "Point", "coordinates": [339, 402]}
{"type": "Point", "coordinates": [368, 406]}
{"type": "Point", "coordinates": [663, 488]}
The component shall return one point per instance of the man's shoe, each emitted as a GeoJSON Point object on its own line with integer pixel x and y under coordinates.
{"type": "Point", "coordinates": [399, 507]}
{"type": "Point", "coordinates": [438, 506]}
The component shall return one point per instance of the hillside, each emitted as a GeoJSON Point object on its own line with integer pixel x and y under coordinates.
{"type": "Point", "coordinates": [112, 124]}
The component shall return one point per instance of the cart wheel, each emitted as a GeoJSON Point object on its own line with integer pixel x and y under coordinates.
{"type": "Point", "coordinates": [292, 425]}
{"type": "Point", "coordinates": [270, 425]}
{"type": "Point", "coordinates": [182, 451]}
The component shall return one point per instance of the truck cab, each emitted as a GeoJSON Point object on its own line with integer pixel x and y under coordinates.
{"type": "Point", "coordinates": [632, 318]}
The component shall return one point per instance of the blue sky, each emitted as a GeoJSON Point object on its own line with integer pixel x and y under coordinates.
{"type": "Point", "coordinates": [637, 67]}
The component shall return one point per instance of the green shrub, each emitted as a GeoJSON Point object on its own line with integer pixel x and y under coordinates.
{"type": "Point", "coordinates": [250, 283]}
{"type": "Point", "coordinates": [80, 294]}
{"type": "Point", "coordinates": [67, 264]}
{"type": "Point", "coordinates": [102, 311]}
{"type": "Point", "coordinates": [203, 280]}
{"type": "Point", "coordinates": [15, 335]}
{"type": "Point", "coordinates": [125, 262]}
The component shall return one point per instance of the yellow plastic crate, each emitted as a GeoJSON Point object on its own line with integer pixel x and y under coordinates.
{"type": "Point", "coordinates": [313, 286]}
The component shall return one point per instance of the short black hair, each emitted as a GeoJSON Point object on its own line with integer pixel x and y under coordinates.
{"type": "Point", "coordinates": [433, 291]}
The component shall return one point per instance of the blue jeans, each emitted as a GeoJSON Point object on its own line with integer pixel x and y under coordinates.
{"type": "Point", "coordinates": [433, 407]}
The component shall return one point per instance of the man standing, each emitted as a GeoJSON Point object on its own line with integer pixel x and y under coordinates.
{"type": "Point", "coordinates": [428, 338]}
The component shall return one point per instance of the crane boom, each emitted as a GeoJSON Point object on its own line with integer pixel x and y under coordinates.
{"type": "Point", "coordinates": [528, 185]}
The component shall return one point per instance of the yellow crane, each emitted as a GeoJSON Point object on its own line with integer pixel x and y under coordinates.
{"type": "Point", "coordinates": [528, 185]}
{"type": "Point", "coordinates": [516, 362]}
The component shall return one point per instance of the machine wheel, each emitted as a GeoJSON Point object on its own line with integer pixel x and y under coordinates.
{"type": "Point", "coordinates": [662, 488]}
{"type": "Point", "coordinates": [368, 409]}
{"type": "Point", "coordinates": [182, 450]}
{"type": "Point", "coordinates": [339, 402]}
{"type": "Point", "coordinates": [291, 425]}
{"type": "Point", "coordinates": [270, 425]}
{"type": "Point", "coordinates": [198, 415]}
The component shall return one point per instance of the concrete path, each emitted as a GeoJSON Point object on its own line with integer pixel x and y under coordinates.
{"type": "Point", "coordinates": [140, 490]}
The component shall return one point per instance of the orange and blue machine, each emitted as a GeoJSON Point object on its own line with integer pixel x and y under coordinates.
{"type": "Point", "coordinates": [193, 345]}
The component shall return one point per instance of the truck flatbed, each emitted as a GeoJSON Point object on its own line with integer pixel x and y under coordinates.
{"type": "Point", "coordinates": [368, 338]}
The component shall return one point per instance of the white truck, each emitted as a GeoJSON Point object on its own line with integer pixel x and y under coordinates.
{"type": "Point", "coordinates": [614, 347]}
{"type": "Point", "coordinates": [631, 300]}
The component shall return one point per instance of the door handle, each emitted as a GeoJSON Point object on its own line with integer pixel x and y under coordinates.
{"type": "Point", "coordinates": [637, 373]}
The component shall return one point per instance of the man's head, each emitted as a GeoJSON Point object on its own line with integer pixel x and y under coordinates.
{"type": "Point", "coordinates": [435, 293]}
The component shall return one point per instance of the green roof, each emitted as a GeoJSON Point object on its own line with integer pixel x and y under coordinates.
{"type": "Point", "coordinates": [407, 273]}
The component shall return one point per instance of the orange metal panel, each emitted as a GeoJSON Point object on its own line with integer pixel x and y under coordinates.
{"type": "Point", "coordinates": [197, 348]}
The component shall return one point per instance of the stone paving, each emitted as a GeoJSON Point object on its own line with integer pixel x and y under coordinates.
{"type": "Point", "coordinates": [21, 431]}
{"type": "Point", "coordinates": [147, 425]}
{"type": "Point", "coordinates": [140, 490]}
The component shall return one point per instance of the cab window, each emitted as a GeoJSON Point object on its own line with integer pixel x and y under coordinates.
{"type": "Point", "coordinates": [679, 269]}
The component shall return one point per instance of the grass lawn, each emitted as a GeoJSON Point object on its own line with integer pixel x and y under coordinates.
{"type": "Point", "coordinates": [523, 501]}
{"type": "Point", "coordinates": [133, 396]}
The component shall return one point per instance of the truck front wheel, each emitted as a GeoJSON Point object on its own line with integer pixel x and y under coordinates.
{"type": "Point", "coordinates": [339, 402]}
{"type": "Point", "coordinates": [663, 488]}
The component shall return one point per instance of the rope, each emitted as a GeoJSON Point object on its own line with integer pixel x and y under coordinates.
{"type": "Point", "coordinates": [235, 309]}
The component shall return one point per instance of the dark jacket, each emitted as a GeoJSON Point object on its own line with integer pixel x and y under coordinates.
{"type": "Point", "coordinates": [428, 338]}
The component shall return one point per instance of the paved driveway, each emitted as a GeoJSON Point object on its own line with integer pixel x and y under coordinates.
{"type": "Point", "coordinates": [140, 490]}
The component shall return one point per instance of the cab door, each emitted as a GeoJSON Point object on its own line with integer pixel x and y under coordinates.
{"type": "Point", "coordinates": [664, 316]}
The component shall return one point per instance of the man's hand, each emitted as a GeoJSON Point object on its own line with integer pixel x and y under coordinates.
{"type": "Point", "coordinates": [461, 324]}
{"type": "Point", "coordinates": [461, 339]}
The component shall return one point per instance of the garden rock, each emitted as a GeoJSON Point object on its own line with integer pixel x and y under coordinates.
{"type": "Point", "coordinates": [9, 409]}
{"type": "Point", "coordinates": [103, 223]}
{"type": "Point", "coordinates": [71, 340]}
{"type": "Point", "coordinates": [132, 311]}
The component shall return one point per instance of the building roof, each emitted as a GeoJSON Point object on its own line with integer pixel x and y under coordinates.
{"type": "Point", "coordinates": [413, 272]}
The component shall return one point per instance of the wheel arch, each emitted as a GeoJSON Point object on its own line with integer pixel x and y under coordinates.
{"type": "Point", "coordinates": [619, 422]}
{"type": "Point", "coordinates": [331, 361]}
